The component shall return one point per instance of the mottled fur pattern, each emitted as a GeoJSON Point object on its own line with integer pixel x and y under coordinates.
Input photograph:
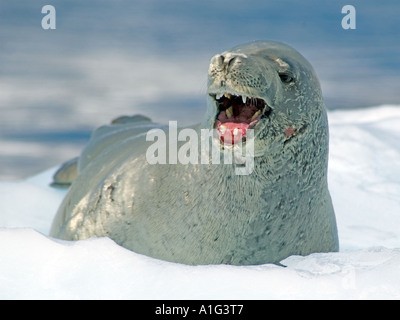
{"type": "Point", "coordinates": [206, 214]}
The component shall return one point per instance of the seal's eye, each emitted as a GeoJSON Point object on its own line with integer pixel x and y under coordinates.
{"type": "Point", "coordinates": [286, 77]}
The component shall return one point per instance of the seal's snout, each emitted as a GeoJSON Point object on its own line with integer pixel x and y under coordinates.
{"type": "Point", "coordinates": [237, 104]}
{"type": "Point", "coordinates": [224, 61]}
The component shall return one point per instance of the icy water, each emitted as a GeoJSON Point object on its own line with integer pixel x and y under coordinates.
{"type": "Point", "coordinates": [109, 58]}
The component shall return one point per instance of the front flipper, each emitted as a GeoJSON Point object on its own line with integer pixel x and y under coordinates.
{"type": "Point", "coordinates": [131, 119]}
{"type": "Point", "coordinates": [66, 174]}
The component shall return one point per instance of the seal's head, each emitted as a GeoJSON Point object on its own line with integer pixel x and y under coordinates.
{"type": "Point", "coordinates": [266, 86]}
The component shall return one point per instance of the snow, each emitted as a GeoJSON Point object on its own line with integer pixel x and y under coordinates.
{"type": "Point", "coordinates": [364, 179]}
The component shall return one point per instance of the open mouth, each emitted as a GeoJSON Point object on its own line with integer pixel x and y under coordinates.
{"type": "Point", "coordinates": [236, 114]}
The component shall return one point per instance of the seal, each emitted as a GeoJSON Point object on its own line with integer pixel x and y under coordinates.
{"type": "Point", "coordinates": [205, 213]}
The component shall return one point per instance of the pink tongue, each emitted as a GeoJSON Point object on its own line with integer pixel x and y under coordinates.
{"type": "Point", "coordinates": [229, 135]}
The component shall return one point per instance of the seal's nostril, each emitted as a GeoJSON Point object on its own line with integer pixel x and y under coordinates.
{"type": "Point", "coordinates": [222, 61]}
{"type": "Point", "coordinates": [230, 61]}
{"type": "Point", "coordinates": [219, 59]}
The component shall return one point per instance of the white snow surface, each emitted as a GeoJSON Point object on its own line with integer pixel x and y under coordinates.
{"type": "Point", "coordinates": [364, 180]}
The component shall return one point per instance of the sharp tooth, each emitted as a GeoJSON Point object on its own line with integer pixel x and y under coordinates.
{"type": "Point", "coordinates": [255, 115]}
{"type": "Point", "coordinates": [222, 129]}
{"type": "Point", "coordinates": [218, 96]}
{"type": "Point", "coordinates": [229, 112]}
{"type": "Point", "coordinates": [235, 131]}
{"type": "Point", "coordinates": [244, 99]}
{"type": "Point", "coordinates": [227, 95]}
